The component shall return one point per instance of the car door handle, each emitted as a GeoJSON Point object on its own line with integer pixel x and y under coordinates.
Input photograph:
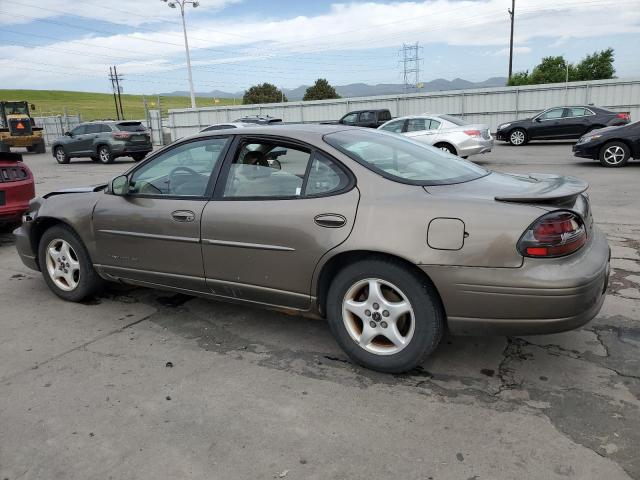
{"type": "Point", "coordinates": [330, 220]}
{"type": "Point", "coordinates": [183, 216]}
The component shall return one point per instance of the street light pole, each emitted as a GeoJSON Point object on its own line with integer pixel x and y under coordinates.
{"type": "Point", "coordinates": [512, 13]}
{"type": "Point", "coordinates": [181, 4]}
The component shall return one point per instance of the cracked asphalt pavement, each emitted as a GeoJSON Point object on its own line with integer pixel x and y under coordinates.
{"type": "Point", "coordinates": [146, 384]}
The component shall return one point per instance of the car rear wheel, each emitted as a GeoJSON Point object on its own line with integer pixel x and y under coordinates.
{"type": "Point", "coordinates": [104, 154]}
{"type": "Point", "coordinates": [61, 156]}
{"type": "Point", "coordinates": [138, 156]}
{"type": "Point", "coordinates": [518, 137]}
{"type": "Point", "coordinates": [614, 154]}
{"type": "Point", "coordinates": [65, 264]}
{"type": "Point", "coordinates": [445, 147]}
{"type": "Point", "coordinates": [384, 316]}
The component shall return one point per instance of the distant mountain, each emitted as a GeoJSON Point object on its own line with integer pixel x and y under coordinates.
{"type": "Point", "coordinates": [364, 90]}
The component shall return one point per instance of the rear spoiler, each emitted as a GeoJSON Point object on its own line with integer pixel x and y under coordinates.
{"type": "Point", "coordinates": [547, 188]}
{"type": "Point", "coordinates": [10, 157]}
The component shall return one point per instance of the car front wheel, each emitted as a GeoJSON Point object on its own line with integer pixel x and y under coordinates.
{"type": "Point", "coordinates": [384, 316]}
{"type": "Point", "coordinates": [614, 154]}
{"type": "Point", "coordinates": [518, 137]}
{"type": "Point", "coordinates": [65, 264]}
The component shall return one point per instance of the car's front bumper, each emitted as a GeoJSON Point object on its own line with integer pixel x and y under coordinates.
{"type": "Point", "coordinates": [587, 150]}
{"type": "Point", "coordinates": [25, 246]}
{"type": "Point", "coordinates": [474, 146]}
{"type": "Point", "coordinates": [542, 296]}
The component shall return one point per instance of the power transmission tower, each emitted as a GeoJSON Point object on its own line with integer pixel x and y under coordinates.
{"type": "Point", "coordinates": [410, 65]}
{"type": "Point", "coordinates": [512, 13]}
{"type": "Point", "coordinates": [113, 89]}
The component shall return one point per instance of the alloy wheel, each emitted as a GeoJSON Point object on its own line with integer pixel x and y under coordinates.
{"type": "Point", "coordinates": [63, 266]}
{"type": "Point", "coordinates": [104, 155]}
{"type": "Point", "coordinates": [378, 316]}
{"type": "Point", "coordinates": [614, 155]}
{"type": "Point", "coordinates": [517, 137]}
{"type": "Point", "coordinates": [60, 156]}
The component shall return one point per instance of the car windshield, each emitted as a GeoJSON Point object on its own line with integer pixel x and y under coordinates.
{"type": "Point", "coordinates": [131, 127]}
{"type": "Point", "coordinates": [402, 159]}
{"type": "Point", "coordinates": [454, 120]}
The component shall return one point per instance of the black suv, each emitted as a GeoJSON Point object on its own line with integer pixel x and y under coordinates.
{"type": "Point", "coordinates": [559, 123]}
{"type": "Point", "coordinates": [104, 142]}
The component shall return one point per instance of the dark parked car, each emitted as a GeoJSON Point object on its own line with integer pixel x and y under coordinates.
{"type": "Point", "coordinates": [16, 188]}
{"type": "Point", "coordinates": [103, 142]}
{"type": "Point", "coordinates": [613, 146]}
{"type": "Point", "coordinates": [391, 240]}
{"type": "Point", "coordinates": [559, 123]}
{"type": "Point", "coordinates": [364, 118]}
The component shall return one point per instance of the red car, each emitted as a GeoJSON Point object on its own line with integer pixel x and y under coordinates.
{"type": "Point", "coordinates": [16, 188]}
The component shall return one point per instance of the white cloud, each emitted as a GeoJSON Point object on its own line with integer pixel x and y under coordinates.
{"type": "Point", "coordinates": [132, 13]}
{"type": "Point", "coordinates": [345, 26]}
{"type": "Point", "coordinates": [505, 51]}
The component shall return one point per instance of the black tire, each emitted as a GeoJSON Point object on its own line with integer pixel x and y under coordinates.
{"type": "Point", "coordinates": [89, 282]}
{"type": "Point", "coordinates": [104, 154]}
{"type": "Point", "coordinates": [40, 147]}
{"type": "Point", "coordinates": [518, 137]}
{"type": "Point", "coordinates": [446, 147]}
{"type": "Point", "coordinates": [138, 156]}
{"type": "Point", "coordinates": [61, 156]}
{"type": "Point", "coordinates": [31, 149]}
{"type": "Point", "coordinates": [4, 148]}
{"type": "Point", "coordinates": [614, 155]}
{"type": "Point", "coordinates": [93, 158]}
{"type": "Point", "coordinates": [428, 316]}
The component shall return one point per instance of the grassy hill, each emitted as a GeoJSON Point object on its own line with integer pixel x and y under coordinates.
{"type": "Point", "coordinates": [94, 106]}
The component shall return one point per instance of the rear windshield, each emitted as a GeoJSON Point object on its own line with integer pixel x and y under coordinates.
{"type": "Point", "coordinates": [403, 160]}
{"type": "Point", "coordinates": [454, 120]}
{"type": "Point", "coordinates": [131, 127]}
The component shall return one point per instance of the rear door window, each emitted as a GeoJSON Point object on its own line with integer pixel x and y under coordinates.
{"type": "Point", "coordinates": [552, 114]}
{"type": "Point", "coordinates": [93, 128]}
{"type": "Point", "coordinates": [418, 124]}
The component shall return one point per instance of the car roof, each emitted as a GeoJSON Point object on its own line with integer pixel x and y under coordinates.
{"type": "Point", "coordinates": [295, 130]}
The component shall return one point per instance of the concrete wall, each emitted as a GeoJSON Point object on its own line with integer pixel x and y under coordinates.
{"type": "Point", "coordinates": [491, 106]}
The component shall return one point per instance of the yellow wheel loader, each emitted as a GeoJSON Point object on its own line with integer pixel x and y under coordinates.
{"type": "Point", "coordinates": [18, 129]}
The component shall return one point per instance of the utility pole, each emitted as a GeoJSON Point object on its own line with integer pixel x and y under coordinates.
{"type": "Point", "coordinates": [181, 4]}
{"type": "Point", "coordinates": [410, 65]}
{"type": "Point", "coordinates": [113, 89]}
{"type": "Point", "coordinates": [512, 13]}
{"type": "Point", "coordinates": [118, 79]}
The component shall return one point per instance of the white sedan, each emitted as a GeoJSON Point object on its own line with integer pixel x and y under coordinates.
{"type": "Point", "coordinates": [446, 132]}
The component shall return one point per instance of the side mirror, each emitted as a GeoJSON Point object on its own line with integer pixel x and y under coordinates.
{"type": "Point", "coordinates": [537, 119]}
{"type": "Point", "coordinates": [68, 134]}
{"type": "Point", "coordinates": [120, 186]}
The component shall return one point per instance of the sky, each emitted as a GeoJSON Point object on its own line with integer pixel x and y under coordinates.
{"type": "Point", "coordinates": [69, 45]}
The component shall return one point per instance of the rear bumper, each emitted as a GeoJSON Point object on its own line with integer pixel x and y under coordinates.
{"type": "Point", "coordinates": [122, 148]}
{"type": "Point", "coordinates": [543, 296]}
{"type": "Point", "coordinates": [474, 146]}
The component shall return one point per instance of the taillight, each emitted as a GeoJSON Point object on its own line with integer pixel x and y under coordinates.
{"type": "Point", "coordinates": [473, 133]}
{"type": "Point", "coordinates": [554, 235]}
{"type": "Point", "coordinates": [121, 135]}
{"type": "Point", "coordinates": [624, 115]}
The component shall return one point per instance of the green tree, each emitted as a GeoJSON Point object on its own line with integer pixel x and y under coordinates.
{"type": "Point", "coordinates": [551, 70]}
{"type": "Point", "coordinates": [597, 66]}
{"type": "Point", "coordinates": [321, 90]}
{"type": "Point", "coordinates": [519, 78]}
{"type": "Point", "coordinates": [264, 93]}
